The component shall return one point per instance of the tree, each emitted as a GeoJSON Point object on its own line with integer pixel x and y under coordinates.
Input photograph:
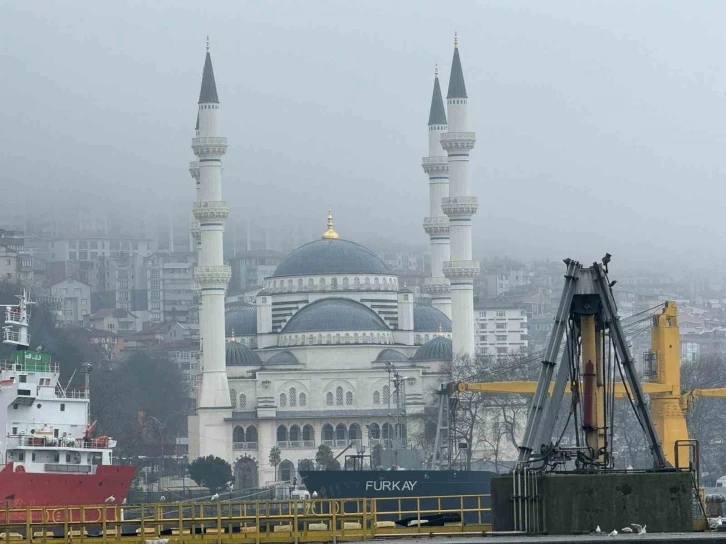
{"type": "Point", "coordinates": [325, 459]}
{"type": "Point", "coordinates": [275, 458]}
{"type": "Point", "coordinates": [305, 465]}
{"type": "Point", "coordinates": [211, 472]}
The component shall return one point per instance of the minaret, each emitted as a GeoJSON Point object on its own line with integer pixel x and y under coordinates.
{"type": "Point", "coordinates": [460, 206]}
{"type": "Point", "coordinates": [195, 241]}
{"type": "Point", "coordinates": [213, 401]}
{"type": "Point", "coordinates": [436, 165]}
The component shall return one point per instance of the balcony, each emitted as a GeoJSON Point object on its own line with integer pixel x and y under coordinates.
{"type": "Point", "coordinates": [244, 445]}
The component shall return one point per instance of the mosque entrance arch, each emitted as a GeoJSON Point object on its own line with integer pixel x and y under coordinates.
{"type": "Point", "coordinates": [246, 474]}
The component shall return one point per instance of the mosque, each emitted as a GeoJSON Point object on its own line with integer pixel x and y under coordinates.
{"type": "Point", "coordinates": [334, 348]}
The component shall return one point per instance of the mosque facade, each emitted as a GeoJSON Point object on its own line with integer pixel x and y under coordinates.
{"type": "Point", "coordinates": [334, 348]}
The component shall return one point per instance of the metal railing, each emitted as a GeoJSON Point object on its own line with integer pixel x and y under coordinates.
{"type": "Point", "coordinates": [60, 442]}
{"type": "Point", "coordinates": [317, 520]}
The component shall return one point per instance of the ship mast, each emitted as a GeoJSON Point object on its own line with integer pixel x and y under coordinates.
{"type": "Point", "coordinates": [17, 318]}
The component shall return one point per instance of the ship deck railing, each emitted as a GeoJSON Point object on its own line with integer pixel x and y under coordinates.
{"type": "Point", "coordinates": [28, 366]}
{"type": "Point", "coordinates": [63, 443]}
{"type": "Point", "coordinates": [313, 520]}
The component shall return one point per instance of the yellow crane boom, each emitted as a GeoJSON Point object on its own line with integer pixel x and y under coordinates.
{"type": "Point", "coordinates": [668, 405]}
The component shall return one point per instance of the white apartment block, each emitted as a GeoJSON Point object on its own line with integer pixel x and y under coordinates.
{"type": "Point", "coordinates": [75, 300]}
{"type": "Point", "coordinates": [500, 329]}
{"type": "Point", "coordinates": [89, 248]}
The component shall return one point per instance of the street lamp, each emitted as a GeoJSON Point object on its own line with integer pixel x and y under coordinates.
{"type": "Point", "coordinates": [162, 429]}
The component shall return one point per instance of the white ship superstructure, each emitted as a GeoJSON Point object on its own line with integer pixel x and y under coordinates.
{"type": "Point", "coordinates": [46, 426]}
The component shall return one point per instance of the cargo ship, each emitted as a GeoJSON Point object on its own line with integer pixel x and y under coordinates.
{"type": "Point", "coordinates": [51, 457]}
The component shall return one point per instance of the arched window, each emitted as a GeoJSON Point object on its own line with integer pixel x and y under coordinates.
{"type": "Point", "coordinates": [387, 431]}
{"type": "Point", "coordinates": [283, 399]}
{"type": "Point", "coordinates": [238, 434]}
{"type": "Point", "coordinates": [308, 433]}
{"type": "Point", "coordinates": [386, 394]}
{"type": "Point", "coordinates": [233, 397]}
{"type": "Point", "coordinates": [328, 432]}
{"type": "Point", "coordinates": [354, 432]}
{"type": "Point", "coordinates": [356, 282]}
{"type": "Point", "coordinates": [294, 433]}
{"type": "Point", "coordinates": [299, 284]}
{"type": "Point", "coordinates": [251, 434]}
{"type": "Point", "coordinates": [242, 401]}
{"type": "Point", "coordinates": [345, 283]}
{"type": "Point", "coordinates": [282, 433]}
{"type": "Point", "coordinates": [303, 399]}
{"type": "Point", "coordinates": [293, 397]}
{"type": "Point", "coordinates": [311, 283]}
{"type": "Point", "coordinates": [341, 433]}
{"type": "Point", "coordinates": [349, 398]}
{"type": "Point", "coordinates": [334, 283]}
{"type": "Point", "coordinates": [374, 431]}
{"type": "Point", "coordinates": [376, 397]}
{"type": "Point", "coordinates": [339, 396]}
{"type": "Point", "coordinates": [329, 398]}
{"type": "Point", "coordinates": [287, 470]}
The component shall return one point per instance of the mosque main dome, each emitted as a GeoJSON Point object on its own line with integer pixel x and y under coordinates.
{"type": "Point", "coordinates": [335, 314]}
{"type": "Point", "coordinates": [331, 256]}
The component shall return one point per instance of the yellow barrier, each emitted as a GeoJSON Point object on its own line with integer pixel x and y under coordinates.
{"type": "Point", "coordinates": [264, 521]}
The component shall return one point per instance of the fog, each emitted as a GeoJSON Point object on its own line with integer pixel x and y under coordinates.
{"type": "Point", "coordinates": [600, 125]}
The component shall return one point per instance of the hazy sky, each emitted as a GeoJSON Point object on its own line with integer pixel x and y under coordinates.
{"type": "Point", "coordinates": [600, 125]}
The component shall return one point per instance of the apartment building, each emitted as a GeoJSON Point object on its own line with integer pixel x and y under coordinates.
{"type": "Point", "coordinates": [500, 328]}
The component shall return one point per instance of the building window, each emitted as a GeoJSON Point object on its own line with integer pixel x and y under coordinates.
{"type": "Point", "coordinates": [72, 255]}
{"type": "Point", "coordinates": [303, 399]}
{"type": "Point", "coordinates": [501, 326]}
{"type": "Point", "coordinates": [501, 337]}
{"type": "Point", "coordinates": [386, 394]}
{"type": "Point", "coordinates": [501, 313]}
{"type": "Point", "coordinates": [349, 398]}
{"type": "Point", "coordinates": [329, 398]}
{"type": "Point", "coordinates": [293, 397]}
{"type": "Point", "coordinates": [233, 399]}
{"type": "Point", "coordinates": [283, 399]}
{"type": "Point", "coordinates": [339, 396]}
{"type": "Point", "coordinates": [242, 400]}
{"type": "Point", "coordinates": [376, 397]}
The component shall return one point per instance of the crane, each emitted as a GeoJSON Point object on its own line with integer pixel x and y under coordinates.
{"type": "Point", "coordinates": [668, 403]}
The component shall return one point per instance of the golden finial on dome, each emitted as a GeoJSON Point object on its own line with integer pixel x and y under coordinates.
{"type": "Point", "coordinates": [330, 234]}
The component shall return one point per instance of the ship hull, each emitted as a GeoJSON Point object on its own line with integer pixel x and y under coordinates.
{"type": "Point", "coordinates": [349, 484]}
{"type": "Point", "coordinates": [59, 491]}
{"type": "Point", "coordinates": [403, 493]}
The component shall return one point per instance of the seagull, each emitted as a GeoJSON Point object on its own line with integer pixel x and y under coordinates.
{"type": "Point", "coordinates": [110, 499]}
{"type": "Point", "coordinates": [626, 530]}
{"type": "Point", "coordinates": [162, 498]}
{"type": "Point", "coordinates": [636, 528]}
{"type": "Point", "coordinates": [214, 497]}
{"type": "Point", "coordinates": [642, 531]}
{"type": "Point", "coordinates": [613, 533]}
{"type": "Point", "coordinates": [315, 494]}
{"type": "Point", "coordinates": [598, 530]}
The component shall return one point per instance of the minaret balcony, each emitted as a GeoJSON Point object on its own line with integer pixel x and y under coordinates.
{"type": "Point", "coordinates": [194, 169]}
{"type": "Point", "coordinates": [212, 276]}
{"type": "Point", "coordinates": [210, 210]}
{"type": "Point", "coordinates": [454, 142]}
{"type": "Point", "coordinates": [436, 286]}
{"type": "Point", "coordinates": [461, 270]}
{"type": "Point", "coordinates": [436, 226]}
{"type": "Point", "coordinates": [436, 166]}
{"type": "Point", "coordinates": [460, 206]}
{"type": "Point", "coordinates": [209, 146]}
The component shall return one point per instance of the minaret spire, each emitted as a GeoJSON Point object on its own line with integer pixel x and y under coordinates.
{"type": "Point", "coordinates": [208, 432]}
{"type": "Point", "coordinates": [436, 225]}
{"type": "Point", "coordinates": [460, 206]}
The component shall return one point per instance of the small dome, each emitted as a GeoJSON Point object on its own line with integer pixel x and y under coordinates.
{"type": "Point", "coordinates": [331, 256]}
{"type": "Point", "coordinates": [237, 354]}
{"type": "Point", "coordinates": [389, 355]}
{"type": "Point", "coordinates": [335, 314]}
{"type": "Point", "coordinates": [243, 322]}
{"type": "Point", "coordinates": [429, 319]}
{"type": "Point", "coordinates": [436, 349]}
{"type": "Point", "coordinates": [282, 358]}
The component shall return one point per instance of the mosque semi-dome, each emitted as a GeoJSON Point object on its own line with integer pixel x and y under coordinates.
{"type": "Point", "coordinates": [436, 349]}
{"type": "Point", "coordinates": [282, 358]}
{"type": "Point", "coordinates": [335, 314]}
{"type": "Point", "coordinates": [389, 355]}
{"type": "Point", "coordinates": [237, 354]}
{"type": "Point", "coordinates": [429, 319]}
{"type": "Point", "coordinates": [241, 322]}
